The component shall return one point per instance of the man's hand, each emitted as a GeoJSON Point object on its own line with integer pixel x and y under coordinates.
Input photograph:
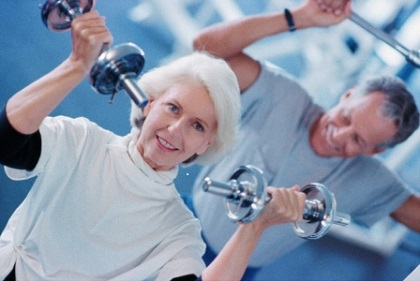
{"type": "Point", "coordinates": [314, 14]}
{"type": "Point", "coordinates": [337, 7]}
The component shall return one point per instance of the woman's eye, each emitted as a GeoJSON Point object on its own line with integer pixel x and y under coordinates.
{"type": "Point", "coordinates": [198, 127]}
{"type": "Point", "coordinates": [173, 108]}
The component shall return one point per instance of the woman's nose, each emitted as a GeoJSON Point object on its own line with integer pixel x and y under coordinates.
{"type": "Point", "coordinates": [176, 128]}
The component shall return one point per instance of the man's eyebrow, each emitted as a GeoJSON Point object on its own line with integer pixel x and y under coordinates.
{"type": "Point", "coordinates": [360, 140]}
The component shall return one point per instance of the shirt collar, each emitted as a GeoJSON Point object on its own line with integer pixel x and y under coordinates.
{"type": "Point", "coordinates": [161, 177]}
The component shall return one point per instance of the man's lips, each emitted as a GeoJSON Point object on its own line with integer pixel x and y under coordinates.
{"type": "Point", "coordinates": [328, 137]}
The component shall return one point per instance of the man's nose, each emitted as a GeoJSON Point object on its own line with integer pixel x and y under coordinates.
{"type": "Point", "coordinates": [342, 134]}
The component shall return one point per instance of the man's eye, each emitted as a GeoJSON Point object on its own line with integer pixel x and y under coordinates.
{"type": "Point", "coordinates": [346, 119]}
{"type": "Point", "coordinates": [359, 142]}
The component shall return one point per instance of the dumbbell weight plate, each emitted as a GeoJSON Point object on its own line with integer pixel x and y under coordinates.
{"type": "Point", "coordinates": [315, 225]}
{"type": "Point", "coordinates": [122, 61]}
{"type": "Point", "coordinates": [247, 207]}
{"type": "Point", "coordinates": [58, 14]}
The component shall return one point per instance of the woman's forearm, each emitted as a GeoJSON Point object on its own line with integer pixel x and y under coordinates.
{"type": "Point", "coordinates": [285, 205]}
{"type": "Point", "coordinates": [27, 108]}
{"type": "Point", "coordinates": [231, 262]}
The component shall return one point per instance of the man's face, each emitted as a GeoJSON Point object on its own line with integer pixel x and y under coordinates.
{"type": "Point", "coordinates": [354, 126]}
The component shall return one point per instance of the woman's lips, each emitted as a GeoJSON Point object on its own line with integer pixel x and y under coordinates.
{"type": "Point", "coordinates": [166, 144]}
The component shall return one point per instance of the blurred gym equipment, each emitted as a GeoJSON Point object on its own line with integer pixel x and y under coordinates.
{"type": "Point", "coordinates": [412, 56]}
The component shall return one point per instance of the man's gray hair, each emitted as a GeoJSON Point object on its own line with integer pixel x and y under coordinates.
{"type": "Point", "coordinates": [399, 105]}
{"type": "Point", "coordinates": [221, 83]}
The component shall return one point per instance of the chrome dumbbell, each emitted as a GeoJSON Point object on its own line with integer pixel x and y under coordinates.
{"type": "Point", "coordinates": [116, 68]}
{"type": "Point", "coordinates": [245, 196]}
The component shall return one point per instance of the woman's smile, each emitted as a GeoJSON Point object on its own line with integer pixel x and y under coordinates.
{"type": "Point", "coordinates": [165, 145]}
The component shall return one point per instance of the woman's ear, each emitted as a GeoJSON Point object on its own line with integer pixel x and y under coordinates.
{"type": "Point", "coordinates": [204, 147]}
{"type": "Point", "coordinates": [146, 109]}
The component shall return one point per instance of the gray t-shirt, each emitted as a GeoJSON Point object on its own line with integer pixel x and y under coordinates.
{"type": "Point", "coordinates": [274, 136]}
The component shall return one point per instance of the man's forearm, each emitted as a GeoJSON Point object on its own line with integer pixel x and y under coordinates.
{"type": "Point", "coordinates": [227, 39]}
{"type": "Point", "coordinates": [409, 213]}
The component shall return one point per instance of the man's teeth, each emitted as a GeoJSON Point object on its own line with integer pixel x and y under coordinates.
{"type": "Point", "coordinates": [329, 141]}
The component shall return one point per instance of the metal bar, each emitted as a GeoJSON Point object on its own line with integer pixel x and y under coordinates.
{"type": "Point", "coordinates": [411, 56]}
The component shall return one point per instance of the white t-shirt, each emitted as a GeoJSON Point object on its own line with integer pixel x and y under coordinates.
{"type": "Point", "coordinates": [98, 211]}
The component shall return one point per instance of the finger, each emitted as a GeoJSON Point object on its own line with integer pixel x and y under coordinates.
{"type": "Point", "coordinates": [287, 203]}
{"type": "Point", "coordinates": [295, 187]}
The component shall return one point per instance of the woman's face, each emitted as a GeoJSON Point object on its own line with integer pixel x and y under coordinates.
{"type": "Point", "coordinates": [179, 123]}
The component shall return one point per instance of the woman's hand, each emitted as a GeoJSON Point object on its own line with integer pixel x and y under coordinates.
{"type": "Point", "coordinates": [286, 205]}
{"type": "Point", "coordinates": [89, 35]}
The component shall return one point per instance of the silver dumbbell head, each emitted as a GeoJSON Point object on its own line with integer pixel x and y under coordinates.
{"type": "Point", "coordinates": [58, 14]}
{"type": "Point", "coordinates": [250, 199]}
{"type": "Point", "coordinates": [244, 194]}
{"type": "Point", "coordinates": [320, 212]}
{"type": "Point", "coordinates": [122, 61]}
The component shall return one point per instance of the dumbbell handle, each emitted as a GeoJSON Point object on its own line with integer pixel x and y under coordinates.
{"type": "Point", "coordinates": [341, 219]}
{"type": "Point", "coordinates": [234, 190]}
{"type": "Point", "coordinates": [222, 189]}
{"type": "Point", "coordinates": [133, 90]}
{"type": "Point", "coordinates": [411, 56]}
{"type": "Point", "coordinates": [71, 12]}
{"type": "Point", "coordinates": [313, 212]}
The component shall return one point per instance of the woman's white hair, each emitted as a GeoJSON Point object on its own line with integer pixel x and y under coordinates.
{"type": "Point", "coordinates": [221, 83]}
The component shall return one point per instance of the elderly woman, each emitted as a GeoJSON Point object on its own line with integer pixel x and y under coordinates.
{"type": "Point", "coordinates": [104, 206]}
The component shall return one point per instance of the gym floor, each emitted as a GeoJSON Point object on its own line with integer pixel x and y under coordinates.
{"type": "Point", "coordinates": [30, 50]}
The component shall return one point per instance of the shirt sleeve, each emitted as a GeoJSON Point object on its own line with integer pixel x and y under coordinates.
{"type": "Point", "coordinates": [18, 150]}
{"type": "Point", "coordinates": [369, 190]}
{"type": "Point", "coordinates": [190, 277]}
{"type": "Point", "coordinates": [184, 264]}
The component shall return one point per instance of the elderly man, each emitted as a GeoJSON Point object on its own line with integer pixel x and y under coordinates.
{"type": "Point", "coordinates": [294, 141]}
